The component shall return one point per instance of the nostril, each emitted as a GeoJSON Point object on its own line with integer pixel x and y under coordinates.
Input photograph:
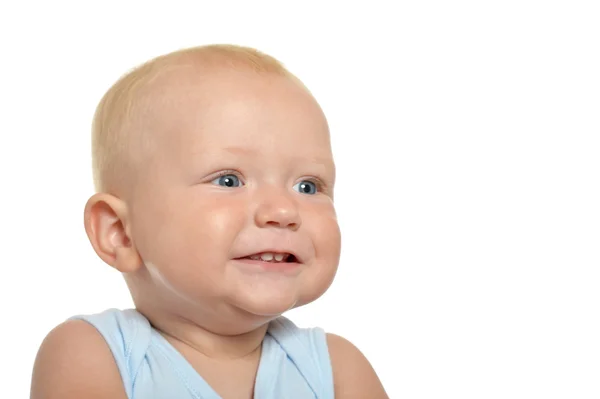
{"type": "Point", "coordinates": [293, 226]}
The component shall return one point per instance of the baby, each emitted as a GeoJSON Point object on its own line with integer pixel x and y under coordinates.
{"type": "Point", "coordinates": [214, 177]}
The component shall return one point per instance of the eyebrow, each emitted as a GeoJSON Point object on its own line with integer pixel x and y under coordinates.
{"type": "Point", "coordinates": [246, 151]}
{"type": "Point", "coordinates": [239, 150]}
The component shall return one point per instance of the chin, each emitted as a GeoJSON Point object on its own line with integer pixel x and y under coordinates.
{"type": "Point", "coordinates": [266, 303]}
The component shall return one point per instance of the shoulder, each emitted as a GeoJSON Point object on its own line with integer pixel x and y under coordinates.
{"type": "Point", "coordinates": [353, 375]}
{"type": "Point", "coordinates": [74, 361]}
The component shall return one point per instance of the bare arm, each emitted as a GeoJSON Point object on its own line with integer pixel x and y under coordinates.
{"type": "Point", "coordinates": [353, 375]}
{"type": "Point", "coordinates": [75, 362]}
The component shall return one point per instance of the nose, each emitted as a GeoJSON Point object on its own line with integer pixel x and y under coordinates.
{"type": "Point", "coordinates": [277, 209]}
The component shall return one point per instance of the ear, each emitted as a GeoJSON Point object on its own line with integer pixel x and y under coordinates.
{"type": "Point", "coordinates": [107, 227]}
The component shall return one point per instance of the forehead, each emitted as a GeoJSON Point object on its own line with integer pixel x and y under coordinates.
{"type": "Point", "coordinates": [243, 113]}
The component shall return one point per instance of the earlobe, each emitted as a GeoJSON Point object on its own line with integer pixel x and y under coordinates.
{"type": "Point", "coordinates": [106, 222]}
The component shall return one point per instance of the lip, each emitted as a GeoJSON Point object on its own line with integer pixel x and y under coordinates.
{"type": "Point", "coordinates": [282, 267]}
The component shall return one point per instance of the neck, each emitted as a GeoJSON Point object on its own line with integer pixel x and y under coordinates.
{"type": "Point", "coordinates": [180, 331]}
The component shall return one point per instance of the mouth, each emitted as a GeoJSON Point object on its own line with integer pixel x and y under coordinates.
{"type": "Point", "coordinates": [272, 257]}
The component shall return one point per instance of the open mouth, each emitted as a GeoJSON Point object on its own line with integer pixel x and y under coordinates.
{"type": "Point", "coordinates": [272, 257]}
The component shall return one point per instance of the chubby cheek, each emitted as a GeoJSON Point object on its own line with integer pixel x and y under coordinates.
{"type": "Point", "coordinates": [325, 232]}
{"type": "Point", "coordinates": [188, 238]}
{"type": "Point", "coordinates": [326, 238]}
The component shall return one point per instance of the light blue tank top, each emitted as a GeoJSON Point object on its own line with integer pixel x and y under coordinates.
{"type": "Point", "coordinates": [294, 362]}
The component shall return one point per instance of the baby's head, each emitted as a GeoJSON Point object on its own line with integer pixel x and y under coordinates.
{"type": "Point", "coordinates": [206, 160]}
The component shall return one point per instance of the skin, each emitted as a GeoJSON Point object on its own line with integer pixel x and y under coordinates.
{"type": "Point", "coordinates": [178, 232]}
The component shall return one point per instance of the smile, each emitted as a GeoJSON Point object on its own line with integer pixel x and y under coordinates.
{"type": "Point", "coordinates": [273, 257]}
{"type": "Point", "coordinates": [281, 262]}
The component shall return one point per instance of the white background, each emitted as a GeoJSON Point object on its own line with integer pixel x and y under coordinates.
{"type": "Point", "coordinates": [467, 140]}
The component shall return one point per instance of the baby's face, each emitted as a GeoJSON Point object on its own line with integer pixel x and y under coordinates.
{"type": "Point", "coordinates": [242, 168]}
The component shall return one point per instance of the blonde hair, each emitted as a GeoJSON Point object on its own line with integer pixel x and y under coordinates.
{"type": "Point", "coordinates": [115, 115]}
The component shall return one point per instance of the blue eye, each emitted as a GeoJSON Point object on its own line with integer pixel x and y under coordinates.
{"type": "Point", "coordinates": [227, 180]}
{"type": "Point", "coordinates": [306, 187]}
